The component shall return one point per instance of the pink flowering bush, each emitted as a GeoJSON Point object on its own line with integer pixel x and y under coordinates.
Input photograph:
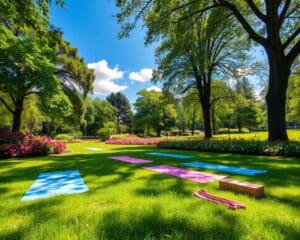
{"type": "Point", "coordinates": [134, 141]}
{"type": "Point", "coordinates": [25, 145]}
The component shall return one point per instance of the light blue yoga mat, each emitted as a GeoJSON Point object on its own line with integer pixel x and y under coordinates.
{"type": "Point", "coordinates": [55, 183]}
{"type": "Point", "coordinates": [169, 155]}
{"type": "Point", "coordinates": [230, 169]}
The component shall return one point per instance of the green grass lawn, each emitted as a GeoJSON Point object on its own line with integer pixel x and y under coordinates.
{"type": "Point", "coordinates": [128, 202]}
{"type": "Point", "coordinates": [294, 135]}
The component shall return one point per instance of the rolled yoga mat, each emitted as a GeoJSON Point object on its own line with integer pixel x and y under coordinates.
{"type": "Point", "coordinates": [229, 203]}
{"type": "Point", "coordinates": [195, 176]}
{"type": "Point", "coordinates": [130, 159]}
{"type": "Point", "coordinates": [169, 155]}
{"type": "Point", "coordinates": [223, 168]}
{"type": "Point", "coordinates": [55, 183]}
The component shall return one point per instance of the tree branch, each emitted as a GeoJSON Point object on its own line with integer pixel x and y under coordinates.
{"type": "Point", "coordinates": [6, 105]}
{"type": "Point", "coordinates": [291, 38]}
{"type": "Point", "coordinates": [256, 10]}
{"type": "Point", "coordinates": [283, 12]}
{"type": "Point", "coordinates": [252, 34]}
{"type": "Point", "coordinates": [294, 52]}
{"type": "Point", "coordinates": [217, 99]}
{"type": "Point", "coordinates": [198, 11]}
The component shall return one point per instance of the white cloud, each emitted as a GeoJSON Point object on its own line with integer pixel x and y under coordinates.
{"type": "Point", "coordinates": [154, 88]}
{"type": "Point", "coordinates": [231, 82]}
{"type": "Point", "coordinates": [105, 76]}
{"type": "Point", "coordinates": [144, 75]}
{"type": "Point", "coordinates": [242, 72]}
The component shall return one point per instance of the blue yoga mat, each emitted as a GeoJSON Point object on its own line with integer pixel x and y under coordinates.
{"type": "Point", "coordinates": [55, 183]}
{"type": "Point", "coordinates": [242, 171]}
{"type": "Point", "coordinates": [169, 155]}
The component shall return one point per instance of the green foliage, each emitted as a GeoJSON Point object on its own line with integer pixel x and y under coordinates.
{"type": "Point", "coordinates": [107, 130]}
{"type": "Point", "coordinates": [154, 111]}
{"type": "Point", "coordinates": [274, 25]}
{"type": "Point", "coordinates": [124, 112]}
{"type": "Point", "coordinates": [192, 109]}
{"type": "Point", "coordinates": [98, 113]}
{"type": "Point", "coordinates": [293, 98]}
{"type": "Point", "coordinates": [35, 59]}
{"type": "Point", "coordinates": [58, 107]}
{"type": "Point", "coordinates": [247, 109]}
{"type": "Point", "coordinates": [236, 146]}
{"type": "Point", "coordinates": [26, 64]}
{"type": "Point", "coordinates": [64, 137]}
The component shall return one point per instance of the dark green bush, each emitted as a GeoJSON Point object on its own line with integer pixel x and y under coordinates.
{"type": "Point", "coordinates": [236, 146]}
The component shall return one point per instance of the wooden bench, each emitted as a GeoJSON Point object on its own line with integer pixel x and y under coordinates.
{"type": "Point", "coordinates": [250, 189]}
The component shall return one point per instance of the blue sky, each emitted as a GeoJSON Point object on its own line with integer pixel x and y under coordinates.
{"type": "Point", "coordinates": [119, 64]}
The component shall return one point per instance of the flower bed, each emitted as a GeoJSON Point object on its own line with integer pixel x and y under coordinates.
{"type": "Point", "coordinates": [25, 145]}
{"type": "Point", "coordinates": [236, 146]}
{"type": "Point", "coordinates": [134, 141]}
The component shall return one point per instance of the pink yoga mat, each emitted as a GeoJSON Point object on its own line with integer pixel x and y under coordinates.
{"type": "Point", "coordinates": [201, 177]}
{"type": "Point", "coordinates": [229, 203]}
{"type": "Point", "coordinates": [130, 159]}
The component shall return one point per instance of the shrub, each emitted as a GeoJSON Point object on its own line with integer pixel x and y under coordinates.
{"type": "Point", "coordinates": [63, 136]}
{"type": "Point", "coordinates": [8, 137]}
{"type": "Point", "coordinates": [104, 134]}
{"type": "Point", "coordinates": [236, 146]}
{"type": "Point", "coordinates": [28, 145]}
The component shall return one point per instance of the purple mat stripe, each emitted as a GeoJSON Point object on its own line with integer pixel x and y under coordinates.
{"type": "Point", "coordinates": [195, 176]}
{"type": "Point", "coordinates": [130, 159]}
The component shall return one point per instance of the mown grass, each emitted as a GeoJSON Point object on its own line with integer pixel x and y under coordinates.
{"type": "Point", "coordinates": [293, 134]}
{"type": "Point", "coordinates": [126, 201]}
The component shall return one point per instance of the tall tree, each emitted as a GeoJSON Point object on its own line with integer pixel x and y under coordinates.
{"type": "Point", "coordinates": [247, 107]}
{"type": "Point", "coordinates": [124, 112]}
{"type": "Point", "coordinates": [98, 113]}
{"type": "Point", "coordinates": [192, 107]}
{"type": "Point", "coordinates": [76, 78]}
{"type": "Point", "coordinates": [26, 67]}
{"type": "Point", "coordinates": [34, 57]}
{"type": "Point", "coordinates": [274, 25]}
{"type": "Point", "coordinates": [190, 58]}
{"type": "Point", "coordinates": [153, 110]}
{"type": "Point", "coordinates": [221, 99]}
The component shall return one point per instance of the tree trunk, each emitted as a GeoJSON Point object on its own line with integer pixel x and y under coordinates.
{"type": "Point", "coordinates": [203, 86]}
{"type": "Point", "coordinates": [158, 132]}
{"type": "Point", "coordinates": [213, 120]}
{"type": "Point", "coordinates": [193, 122]}
{"type": "Point", "coordinates": [279, 74]}
{"type": "Point", "coordinates": [239, 123]}
{"type": "Point", "coordinates": [206, 117]}
{"type": "Point", "coordinates": [17, 120]}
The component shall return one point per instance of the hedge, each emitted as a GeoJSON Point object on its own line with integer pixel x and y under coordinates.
{"type": "Point", "coordinates": [240, 146]}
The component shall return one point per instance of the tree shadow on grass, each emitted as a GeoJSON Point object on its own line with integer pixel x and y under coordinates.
{"type": "Point", "coordinates": [288, 231]}
{"type": "Point", "coordinates": [155, 224]}
{"type": "Point", "coordinates": [37, 210]}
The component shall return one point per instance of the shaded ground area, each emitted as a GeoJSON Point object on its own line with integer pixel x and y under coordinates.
{"type": "Point", "coordinates": [126, 201]}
